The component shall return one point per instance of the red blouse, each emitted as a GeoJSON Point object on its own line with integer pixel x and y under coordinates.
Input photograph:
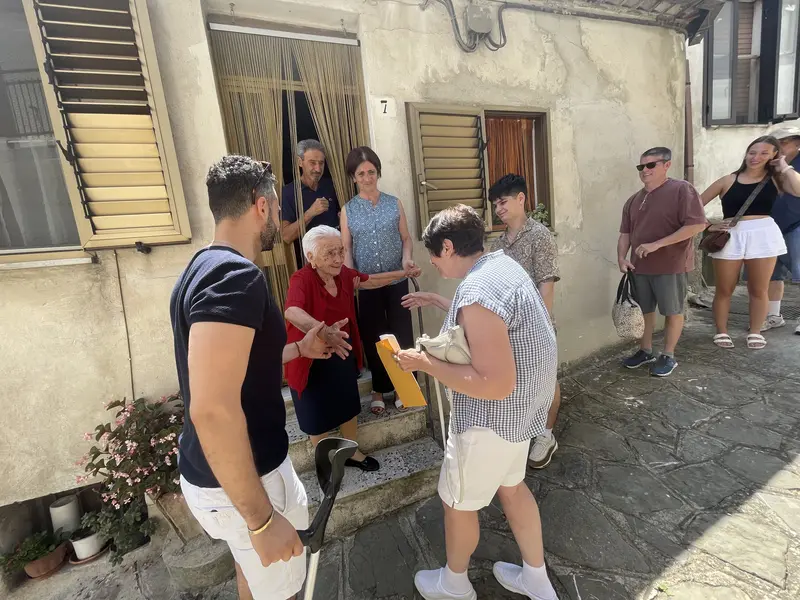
{"type": "Point", "coordinates": [307, 291]}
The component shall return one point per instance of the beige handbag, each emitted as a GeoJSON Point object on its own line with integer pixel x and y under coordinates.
{"type": "Point", "coordinates": [449, 346]}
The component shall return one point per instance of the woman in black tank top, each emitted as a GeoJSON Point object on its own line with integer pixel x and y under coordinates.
{"type": "Point", "coordinates": [756, 240]}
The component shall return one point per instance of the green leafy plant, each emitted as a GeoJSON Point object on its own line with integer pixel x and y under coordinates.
{"type": "Point", "coordinates": [540, 214]}
{"type": "Point", "coordinates": [30, 549]}
{"type": "Point", "coordinates": [136, 455]}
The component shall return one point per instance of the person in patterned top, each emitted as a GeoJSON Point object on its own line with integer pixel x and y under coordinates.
{"type": "Point", "coordinates": [499, 402]}
{"type": "Point", "coordinates": [533, 246]}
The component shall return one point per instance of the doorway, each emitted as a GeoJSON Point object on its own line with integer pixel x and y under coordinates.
{"type": "Point", "coordinates": [276, 90]}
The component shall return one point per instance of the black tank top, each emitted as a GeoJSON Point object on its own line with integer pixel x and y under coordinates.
{"type": "Point", "coordinates": [738, 194]}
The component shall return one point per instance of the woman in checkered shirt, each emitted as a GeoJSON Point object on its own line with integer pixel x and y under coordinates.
{"type": "Point", "coordinates": [499, 402]}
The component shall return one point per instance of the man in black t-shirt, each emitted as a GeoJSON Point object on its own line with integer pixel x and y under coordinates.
{"type": "Point", "coordinates": [230, 347]}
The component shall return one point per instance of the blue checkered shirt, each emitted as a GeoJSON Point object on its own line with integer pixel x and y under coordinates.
{"type": "Point", "coordinates": [498, 283]}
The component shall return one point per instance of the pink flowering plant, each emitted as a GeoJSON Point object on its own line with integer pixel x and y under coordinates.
{"type": "Point", "coordinates": [136, 454]}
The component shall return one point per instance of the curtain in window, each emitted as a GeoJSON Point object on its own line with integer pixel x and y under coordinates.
{"type": "Point", "coordinates": [332, 78]}
{"type": "Point", "coordinates": [510, 150]}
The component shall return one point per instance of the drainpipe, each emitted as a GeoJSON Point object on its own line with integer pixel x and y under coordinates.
{"type": "Point", "coordinates": [688, 134]}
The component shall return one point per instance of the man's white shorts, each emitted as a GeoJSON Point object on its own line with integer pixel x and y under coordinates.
{"type": "Point", "coordinates": [754, 238]}
{"type": "Point", "coordinates": [217, 515]}
{"type": "Point", "coordinates": [476, 464]}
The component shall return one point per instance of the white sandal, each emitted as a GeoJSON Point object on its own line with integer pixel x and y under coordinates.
{"type": "Point", "coordinates": [398, 404]}
{"type": "Point", "coordinates": [378, 407]}
{"type": "Point", "coordinates": [756, 341]}
{"type": "Point", "coordinates": [723, 340]}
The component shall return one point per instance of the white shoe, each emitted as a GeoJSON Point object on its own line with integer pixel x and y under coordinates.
{"type": "Point", "coordinates": [429, 585]}
{"type": "Point", "coordinates": [772, 322]}
{"type": "Point", "coordinates": [544, 446]}
{"type": "Point", "coordinates": [510, 577]}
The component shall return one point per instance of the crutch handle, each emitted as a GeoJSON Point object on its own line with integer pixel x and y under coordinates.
{"type": "Point", "coordinates": [330, 456]}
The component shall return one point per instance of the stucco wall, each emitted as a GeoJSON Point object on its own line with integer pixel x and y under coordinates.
{"type": "Point", "coordinates": [64, 350]}
{"type": "Point", "coordinates": [611, 91]}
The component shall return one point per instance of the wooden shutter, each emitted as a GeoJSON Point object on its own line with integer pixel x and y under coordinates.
{"type": "Point", "coordinates": [100, 59]}
{"type": "Point", "coordinates": [745, 92]}
{"type": "Point", "coordinates": [449, 158]}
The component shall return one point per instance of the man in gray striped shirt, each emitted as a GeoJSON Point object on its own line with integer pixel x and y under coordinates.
{"type": "Point", "coordinates": [499, 403]}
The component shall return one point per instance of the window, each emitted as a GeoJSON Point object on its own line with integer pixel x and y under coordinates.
{"type": "Point", "coordinates": [751, 73]}
{"type": "Point", "coordinates": [93, 110]}
{"type": "Point", "coordinates": [35, 208]}
{"type": "Point", "coordinates": [458, 152]}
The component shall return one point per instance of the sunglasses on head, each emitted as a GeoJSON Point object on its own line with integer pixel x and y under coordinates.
{"type": "Point", "coordinates": [266, 172]}
{"type": "Point", "coordinates": [649, 165]}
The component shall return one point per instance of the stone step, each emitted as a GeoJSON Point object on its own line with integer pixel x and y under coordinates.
{"type": "Point", "coordinates": [408, 473]}
{"type": "Point", "coordinates": [375, 432]}
{"type": "Point", "coordinates": [364, 389]}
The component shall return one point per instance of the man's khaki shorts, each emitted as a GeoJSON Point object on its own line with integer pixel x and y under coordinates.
{"type": "Point", "coordinates": [217, 515]}
{"type": "Point", "coordinates": [476, 464]}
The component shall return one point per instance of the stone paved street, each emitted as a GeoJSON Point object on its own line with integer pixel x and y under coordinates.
{"type": "Point", "coordinates": [685, 488]}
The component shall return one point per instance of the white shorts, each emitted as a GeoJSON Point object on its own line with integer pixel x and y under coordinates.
{"type": "Point", "coordinates": [754, 238]}
{"type": "Point", "coordinates": [476, 464]}
{"type": "Point", "coordinates": [217, 515]}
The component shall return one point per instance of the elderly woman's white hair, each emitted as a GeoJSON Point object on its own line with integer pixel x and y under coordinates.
{"type": "Point", "coordinates": [313, 236]}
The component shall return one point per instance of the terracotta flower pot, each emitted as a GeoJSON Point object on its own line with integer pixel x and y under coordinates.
{"type": "Point", "coordinates": [47, 564]}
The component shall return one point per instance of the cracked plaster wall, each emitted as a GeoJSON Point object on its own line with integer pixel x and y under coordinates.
{"type": "Point", "coordinates": [610, 90]}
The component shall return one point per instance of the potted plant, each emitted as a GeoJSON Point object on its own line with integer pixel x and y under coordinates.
{"type": "Point", "coordinates": [38, 555]}
{"type": "Point", "coordinates": [86, 542]}
{"type": "Point", "coordinates": [136, 455]}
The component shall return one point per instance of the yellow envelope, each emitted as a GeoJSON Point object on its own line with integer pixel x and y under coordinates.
{"type": "Point", "coordinates": [405, 384]}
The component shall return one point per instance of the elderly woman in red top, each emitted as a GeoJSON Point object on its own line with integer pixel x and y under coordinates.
{"type": "Point", "coordinates": [325, 392]}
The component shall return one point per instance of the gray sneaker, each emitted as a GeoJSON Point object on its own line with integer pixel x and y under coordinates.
{"type": "Point", "coordinates": [772, 322]}
{"type": "Point", "coordinates": [663, 366]}
{"type": "Point", "coordinates": [640, 358]}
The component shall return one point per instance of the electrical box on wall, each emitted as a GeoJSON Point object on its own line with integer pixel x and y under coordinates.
{"type": "Point", "coordinates": [479, 19]}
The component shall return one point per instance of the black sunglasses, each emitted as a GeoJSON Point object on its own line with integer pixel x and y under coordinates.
{"type": "Point", "coordinates": [650, 165]}
{"type": "Point", "coordinates": [266, 172]}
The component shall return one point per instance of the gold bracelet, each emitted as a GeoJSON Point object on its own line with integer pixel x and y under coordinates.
{"type": "Point", "coordinates": [264, 527]}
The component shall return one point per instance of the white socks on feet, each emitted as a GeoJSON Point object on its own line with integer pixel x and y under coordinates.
{"type": "Point", "coordinates": [536, 581]}
{"type": "Point", "coordinates": [774, 307]}
{"type": "Point", "coordinates": [456, 583]}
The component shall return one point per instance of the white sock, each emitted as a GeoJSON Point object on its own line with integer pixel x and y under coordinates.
{"type": "Point", "coordinates": [548, 433]}
{"type": "Point", "coordinates": [536, 581]}
{"type": "Point", "coordinates": [455, 583]}
{"type": "Point", "coordinates": [774, 307]}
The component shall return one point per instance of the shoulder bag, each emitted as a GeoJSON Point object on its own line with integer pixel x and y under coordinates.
{"type": "Point", "coordinates": [716, 240]}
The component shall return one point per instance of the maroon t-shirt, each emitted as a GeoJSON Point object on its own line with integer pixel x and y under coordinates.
{"type": "Point", "coordinates": [651, 216]}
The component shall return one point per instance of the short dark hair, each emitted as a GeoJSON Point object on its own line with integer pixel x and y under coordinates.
{"type": "Point", "coordinates": [661, 151]}
{"type": "Point", "coordinates": [360, 155]}
{"type": "Point", "coordinates": [231, 183]}
{"type": "Point", "coordinates": [460, 224]}
{"type": "Point", "coordinates": [508, 185]}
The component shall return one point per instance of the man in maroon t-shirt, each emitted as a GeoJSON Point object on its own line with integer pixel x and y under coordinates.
{"type": "Point", "coordinates": [658, 223]}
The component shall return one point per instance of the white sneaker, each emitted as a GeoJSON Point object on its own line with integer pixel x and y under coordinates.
{"type": "Point", "coordinates": [544, 446]}
{"type": "Point", "coordinates": [510, 577]}
{"type": "Point", "coordinates": [772, 322]}
{"type": "Point", "coordinates": [429, 585]}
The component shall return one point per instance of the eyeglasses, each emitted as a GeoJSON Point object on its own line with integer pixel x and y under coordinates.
{"type": "Point", "coordinates": [266, 172]}
{"type": "Point", "coordinates": [650, 165]}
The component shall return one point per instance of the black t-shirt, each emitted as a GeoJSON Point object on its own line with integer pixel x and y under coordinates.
{"type": "Point", "coordinates": [221, 285]}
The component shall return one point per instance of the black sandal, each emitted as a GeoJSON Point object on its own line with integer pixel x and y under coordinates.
{"type": "Point", "coordinates": [368, 465]}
